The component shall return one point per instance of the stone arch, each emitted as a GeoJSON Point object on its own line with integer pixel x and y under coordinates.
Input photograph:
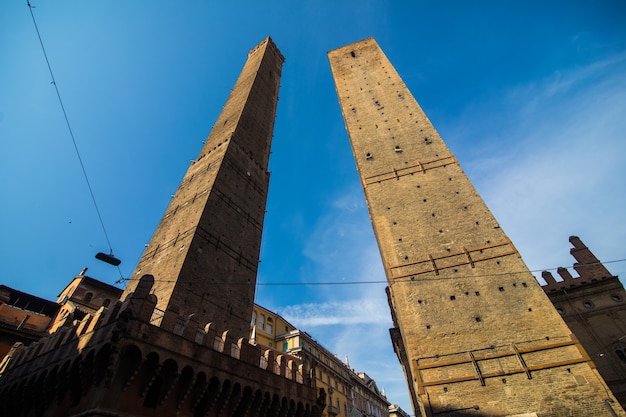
{"type": "Point", "coordinates": [315, 411]}
{"type": "Point", "coordinates": [307, 410]}
{"type": "Point", "coordinates": [87, 371]}
{"type": "Point", "coordinates": [284, 407]}
{"type": "Point", "coordinates": [197, 392]}
{"type": "Point", "coordinates": [256, 403]}
{"type": "Point", "coordinates": [129, 360]}
{"type": "Point", "coordinates": [37, 401]}
{"type": "Point", "coordinates": [49, 389]}
{"type": "Point", "coordinates": [208, 397]}
{"type": "Point", "coordinates": [161, 383]}
{"type": "Point", "coordinates": [234, 398]}
{"type": "Point", "coordinates": [74, 381]}
{"type": "Point", "coordinates": [184, 385]}
{"type": "Point", "coordinates": [101, 363]}
{"type": "Point", "coordinates": [299, 410]}
{"type": "Point", "coordinates": [62, 379]}
{"type": "Point", "coordinates": [244, 404]}
{"type": "Point", "coordinates": [224, 396]}
{"type": "Point", "coordinates": [152, 396]}
{"type": "Point", "coordinates": [266, 402]}
{"type": "Point", "coordinates": [274, 406]}
{"type": "Point", "coordinates": [292, 409]}
{"type": "Point", "coordinates": [148, 380]}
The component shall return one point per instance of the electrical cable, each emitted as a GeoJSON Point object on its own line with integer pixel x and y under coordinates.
{"type": "Point", "coordinates": [404, 279]}
{"type": "Point", "coordinates": [69, 127]}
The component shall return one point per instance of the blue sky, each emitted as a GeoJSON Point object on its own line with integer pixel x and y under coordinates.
{"type": "Point", "coordinates": [530, 96]}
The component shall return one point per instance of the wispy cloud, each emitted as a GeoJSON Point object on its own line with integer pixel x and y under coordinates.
{"type": "Point", "coordinates": [565, 173]}
{"type": "Point", "coordinates": [346, 313]}
{"type": "Point", "coordinates": [343, 249]}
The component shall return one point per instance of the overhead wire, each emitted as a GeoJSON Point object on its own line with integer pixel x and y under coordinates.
{"type": "Point", "coordinates": [69, 128]}
{"type": "Point", "coordinates": [403, 279]}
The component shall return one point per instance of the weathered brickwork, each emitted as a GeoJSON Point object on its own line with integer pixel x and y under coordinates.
{"type": "Point", "coordinates": [475, 332]}
{"type": "Point", "coordinates": [204, 254]}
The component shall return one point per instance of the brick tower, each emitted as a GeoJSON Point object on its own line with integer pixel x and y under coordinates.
{"type": "Point", "coordinates": [474, 331]}
{"type": "Point", "coordinates": [204, 254]}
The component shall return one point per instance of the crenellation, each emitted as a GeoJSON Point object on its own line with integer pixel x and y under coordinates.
{"type": "Point", "coordinates": [592, 305]}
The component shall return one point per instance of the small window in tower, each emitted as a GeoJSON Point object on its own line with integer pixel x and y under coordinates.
{"type": "Point", "coordinates": [398, 149]}
{"type": "Point", "coordinates": [588, 304]}
{"type": "Point", "coordinates": [368, 156]}
{"type": "Point", "coordinates": [452, 298]}
{"type": "Point", "coordinates": [616, 298]}
{"type": "Point", "coordinates": [88, 297]}
{"type": "Point", "coordinates": [352, 54]}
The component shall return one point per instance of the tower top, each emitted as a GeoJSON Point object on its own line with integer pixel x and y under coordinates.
{"type": "Point", "coordinates": [269, 43]}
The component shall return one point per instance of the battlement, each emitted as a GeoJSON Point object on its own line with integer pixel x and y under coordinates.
{"type": "Point", "coordinates": [133, 317]}
{"type": "Point", "coordinates": [589, 268]}
{"type": "Point", "coordinates": [119, 352]}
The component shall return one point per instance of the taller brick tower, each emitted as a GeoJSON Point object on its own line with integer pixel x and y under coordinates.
{"type": "Point", "coordinates": [204, 254]}
{"type": "Point", "coordinates": [474, 331]}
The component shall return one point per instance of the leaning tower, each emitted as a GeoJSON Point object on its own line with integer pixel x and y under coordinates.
{"type": "Point", "coordinates": [474, 331]}
{"type": "Point", "coordinates": [204, 254]}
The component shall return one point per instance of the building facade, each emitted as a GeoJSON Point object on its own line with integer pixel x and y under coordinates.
{"type": "Point", "coordinates": [366, 397]}
{"type": "Point", "coordinates": [24, 318]}
{"type": "Point", "coordinates": [593, 305]}
{"type": "Point", "coordinates": [83, 295]}
{"type": "Point", "coordinates": [349, 394]}
{"type": "Point", "coordinates": [473, 329]}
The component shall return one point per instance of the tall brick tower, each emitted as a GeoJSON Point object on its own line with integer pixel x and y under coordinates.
{"type": "Point", "coordinates": [204, 254]}
{"type": "Point", "coordinates": [474, 331]}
